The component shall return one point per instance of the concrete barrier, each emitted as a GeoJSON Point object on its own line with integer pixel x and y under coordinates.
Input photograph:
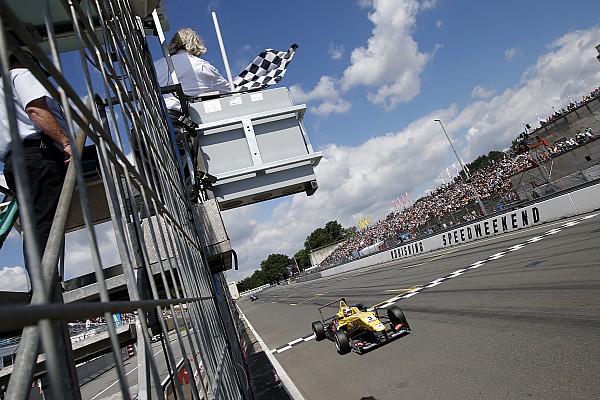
{"type": "Point", "coordinates": [310, 277]}
{"type": "Point", "coordinates": [570, 204]}
{"type": "Point", "coordinates": [90, 370]}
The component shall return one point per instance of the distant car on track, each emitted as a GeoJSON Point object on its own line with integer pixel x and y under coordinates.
{"type": "Point", "coordinates": [156, 338]}
{"type": "Point", "coordinates": [253, 297]}
{"type": "Point", "coordinates": [355, 328]}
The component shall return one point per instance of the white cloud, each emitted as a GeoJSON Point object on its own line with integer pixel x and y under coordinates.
{"type": "Point", "coordinates": [325, 89]}
{"type": "Point", "coordinates": [427, 4]}
{"type": "Point", "coordinates": [241, 220]}
{"type": "Point", "coordinates": [511, 53]}
{"type": "Point", "coordinates": [336, 51]}
{"type": "Point", "coordinates": [325, 94]}
{"type": "Point", "coordinates": [391, 62]}
{"type": "Point", "coordinates": [78, 255]}
{"type": "Point", "coordinates": [361, 181]}
{"type": "Point", "coordinates": [569, 67]}
{"type": "Point", "coordinates": [439, 23]}
{"type": "Point", "coordinates": [13, 279]}
{"type": "Point", "coordinates": [389, 65]}
{"type": "Point", "coordinates": [480, 92]}
{"type": "Point", "coordinates": [338, 106]}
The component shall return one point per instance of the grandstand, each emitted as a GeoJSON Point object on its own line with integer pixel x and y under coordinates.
{"type": "Point", "coordinates": [561, 154]}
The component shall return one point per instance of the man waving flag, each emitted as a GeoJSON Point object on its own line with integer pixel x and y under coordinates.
{"type": "Point", "coordinates": [267, 69]}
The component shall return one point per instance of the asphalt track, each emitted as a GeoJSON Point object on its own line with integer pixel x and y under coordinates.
{"type": "Point", "coordinates": [511, 317]}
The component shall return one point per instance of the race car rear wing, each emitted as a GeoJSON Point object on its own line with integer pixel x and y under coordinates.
{"type": "Point", "coordinates": [323, 319]}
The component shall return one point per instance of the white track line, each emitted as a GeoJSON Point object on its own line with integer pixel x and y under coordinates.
{"type": "Point", "coordinates": [459, 272]}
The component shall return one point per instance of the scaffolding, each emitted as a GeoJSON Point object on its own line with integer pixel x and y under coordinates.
{"type": "Point", "coordinates": [126, 171]}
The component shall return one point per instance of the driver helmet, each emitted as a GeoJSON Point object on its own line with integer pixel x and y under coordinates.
{"type": "Point", "coordinates": [347, 311]}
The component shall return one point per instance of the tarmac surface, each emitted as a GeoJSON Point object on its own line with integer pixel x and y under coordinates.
{"type": "Point", "coordinates": [510, 317]}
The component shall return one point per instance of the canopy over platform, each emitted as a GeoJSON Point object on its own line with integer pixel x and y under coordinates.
{"type": "Point", "coordinates": [31, 14]}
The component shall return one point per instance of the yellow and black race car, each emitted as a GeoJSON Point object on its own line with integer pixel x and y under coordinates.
{"type": "Point", "coordinates": [356, 328]}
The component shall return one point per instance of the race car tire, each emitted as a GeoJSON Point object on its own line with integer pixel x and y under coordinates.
{"type": "Point", "coordinates": [396, 316]}
{"type": "Point", "coordinates": [342, 343]}
{"type": "Point", "coordinates": [318, 330]}
{"type": "Point", "coordinates": [360, 306]}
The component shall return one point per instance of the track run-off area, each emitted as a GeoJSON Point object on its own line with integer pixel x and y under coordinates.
{"type": "Point", "coordinates": [510, 317]}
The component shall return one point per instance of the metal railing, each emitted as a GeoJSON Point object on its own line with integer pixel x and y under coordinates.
{"type": "Point", "coordinates": [527, 191]}
{"type": "Point", "coordinates": [137, 162]}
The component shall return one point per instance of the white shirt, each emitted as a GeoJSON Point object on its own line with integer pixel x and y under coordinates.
{"type": "Point", "coordinates": [26, 88]}
{"type": "Point", "coordinates": [195, 75]}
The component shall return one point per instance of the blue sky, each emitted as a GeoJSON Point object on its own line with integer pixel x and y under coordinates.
{"type": "Point", "coordinates": [374, 76]}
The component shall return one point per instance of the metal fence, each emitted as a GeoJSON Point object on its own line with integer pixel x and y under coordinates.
{"type": "Point", "coordinates": [130, 173]}
{"type": "Point", "coordinates": [526, 191]}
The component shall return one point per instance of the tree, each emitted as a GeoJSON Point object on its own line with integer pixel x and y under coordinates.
{"type": "Point", "coordinates": [335, 230]}
{"type": "Point", "coordinates": [255, 280]}
{"type": "Point", "coordinates": [318, 238]}
{"type": "Point", "coordinates": [484, 161]}
{"type": "Point", "coordinates": [332, 233]}
{"type": "Point", "coordinates": [242, 287]}
{"type": "Point", "coordinates": [275, 267]}
{"type": "Point", "coordinates": [302, 259]}
{"type": "Point", "coordinates": [349, 232]}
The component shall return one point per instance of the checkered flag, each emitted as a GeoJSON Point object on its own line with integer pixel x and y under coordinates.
{"type": "Point", "coordinates": [267, 69]}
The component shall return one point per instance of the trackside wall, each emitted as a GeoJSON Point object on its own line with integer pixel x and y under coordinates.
{"type": "Point", "coordinates": [318, 255]}
{"type": "Point", "coordinates": [578, 202]}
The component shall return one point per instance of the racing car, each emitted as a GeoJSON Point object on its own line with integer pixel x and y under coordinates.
{"type": "Point", "coordinates": [355, 328]}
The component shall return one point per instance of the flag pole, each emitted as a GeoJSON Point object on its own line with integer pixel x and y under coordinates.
{"type": "Point", "coordinates": [163, 46]}
{"type": "Point", "coordinates": [467, 175]}
{"type": "Point", "coordinates": [223, 54]}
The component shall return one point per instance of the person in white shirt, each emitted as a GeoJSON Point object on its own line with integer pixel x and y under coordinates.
{"type": "Point", "coordinates": [41, 128]}
{"type": "Point", "coordinates": [196, 76]}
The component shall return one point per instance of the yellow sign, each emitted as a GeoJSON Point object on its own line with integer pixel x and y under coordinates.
{"type": "Point", "coordinates": [364, 222]}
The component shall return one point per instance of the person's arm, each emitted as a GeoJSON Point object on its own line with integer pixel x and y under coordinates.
{"type": "Point", "coordinates": [217, 81]}
{"type": "Point", "coordinates": [221, 84]}
{"type": "Point", "coordinates": [41, 115]}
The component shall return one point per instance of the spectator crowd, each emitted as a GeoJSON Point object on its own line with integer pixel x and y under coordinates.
{"type": "Point", "coordinates": [570, 107]}
{"type": "Point", "coordinates": [567, 144]}
{"type": "Point", "coordinates": [428, 213]}
{"type": "Point", "coordinates": [425, 215]}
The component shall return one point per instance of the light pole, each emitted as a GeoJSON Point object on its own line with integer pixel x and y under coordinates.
{"type": "Point", "coordinates": [465, 171]}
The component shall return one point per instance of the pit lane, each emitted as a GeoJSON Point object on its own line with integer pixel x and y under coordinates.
{"type": "Point", "coordinates": [516, 316]}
